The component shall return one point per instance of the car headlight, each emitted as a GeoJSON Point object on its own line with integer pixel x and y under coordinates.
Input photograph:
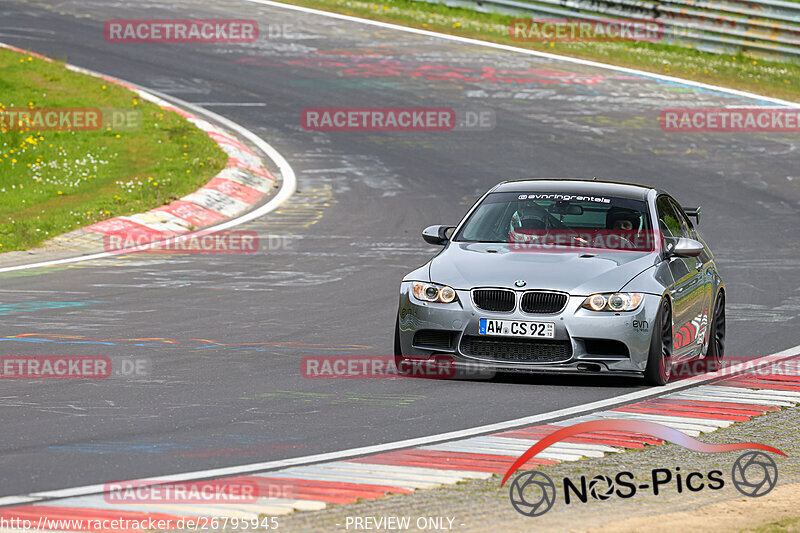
{"type": "Point", "coordinates": [618, 301]}
{"type": "Point", "coordinates": [431, 292]}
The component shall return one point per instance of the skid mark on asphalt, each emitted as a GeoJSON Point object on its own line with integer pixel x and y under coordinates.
{"type": "Point", "coordinates": [302, 210]}
{"type": "Point", "coordinates": [744, 312]}
{"type": "Point", "coordinates": [376, 400]}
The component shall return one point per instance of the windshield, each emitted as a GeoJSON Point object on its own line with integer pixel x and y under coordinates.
{"type": "Point", "coordinates": [536, 217]}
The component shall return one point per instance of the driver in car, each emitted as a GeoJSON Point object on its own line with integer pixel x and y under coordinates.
{"type": "Point", "coordinates": [619, 218]}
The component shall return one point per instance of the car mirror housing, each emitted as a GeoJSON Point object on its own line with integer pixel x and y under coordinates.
{"type": "Point", "coordinates": [436, 234]}
{"type": "Point", "coordinates": [687, 248]}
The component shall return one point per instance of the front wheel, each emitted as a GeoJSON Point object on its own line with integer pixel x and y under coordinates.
{"type": "Point", "coordinates": [659, 359]}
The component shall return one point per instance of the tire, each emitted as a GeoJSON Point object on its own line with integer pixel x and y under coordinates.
{"type": "Point", "coordinates": [716, 341]}
{"type": "Point", "coordinates": [659, 359]}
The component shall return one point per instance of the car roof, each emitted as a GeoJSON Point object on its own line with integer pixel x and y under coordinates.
{"type": "Point", "coordinates": [575, 186]}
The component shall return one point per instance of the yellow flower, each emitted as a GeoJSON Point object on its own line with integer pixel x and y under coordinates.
{"type": "Point", "coordinates": [457, 25]}
{"type": "Point", "coordinates": [59, 192]}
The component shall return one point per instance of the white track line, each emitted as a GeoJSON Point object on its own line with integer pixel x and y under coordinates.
{"type": "Point", "coordinates": [288, 187]}
{"type": "Point", "coordinates": [420, 441]}
{"type": "Point", "coordinates": [526, 51]}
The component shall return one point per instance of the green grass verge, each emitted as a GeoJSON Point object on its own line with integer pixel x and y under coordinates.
{"type": "Point", "coordinates": [52, 182]}
{"type": "Point", "coordinates": [780, 80]}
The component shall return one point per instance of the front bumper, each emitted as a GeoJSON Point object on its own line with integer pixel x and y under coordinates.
{"type": "Point", "coordinates": [585, 341]}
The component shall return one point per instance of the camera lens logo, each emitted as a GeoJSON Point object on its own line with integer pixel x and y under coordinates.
{"type": "Point", "coordinates": [532, 493]}
{"type": "Point", "coordinates": [754, 474]}
{"type": "Point", "coordinates": [601, 487]}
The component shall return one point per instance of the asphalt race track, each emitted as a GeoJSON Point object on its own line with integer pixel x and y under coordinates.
{"type": "Point", "coordinates": [224, 335]}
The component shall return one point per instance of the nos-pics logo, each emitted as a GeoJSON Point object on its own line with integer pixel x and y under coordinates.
{"type": "Point", "coordinates": [533, 493]}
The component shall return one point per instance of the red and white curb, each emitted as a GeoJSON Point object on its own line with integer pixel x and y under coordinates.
{"type": "Point", "coordinates": [242, 184]}
{"type": "Point", "coordinates": [693, 411]}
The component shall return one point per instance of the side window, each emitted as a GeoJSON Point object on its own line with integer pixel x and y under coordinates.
{"type": "Point", "coordinates": [684, 221]}
{"type": "Point", "coordinates": [668, 219]}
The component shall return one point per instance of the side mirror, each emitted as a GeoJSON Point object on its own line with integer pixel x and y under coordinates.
{"type": "Point", "coordinates": [692, 212]}
{"type": "Point", "coordinates": [687, 248]}
{"type": "Point", "coordinates": [436, 234]}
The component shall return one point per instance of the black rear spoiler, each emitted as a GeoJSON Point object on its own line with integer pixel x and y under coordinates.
{"type": "Point", "coordinates": [692, 212]}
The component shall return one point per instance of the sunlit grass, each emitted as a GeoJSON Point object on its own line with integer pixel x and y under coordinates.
{"type": "Point", "coordinates": [52, 182]}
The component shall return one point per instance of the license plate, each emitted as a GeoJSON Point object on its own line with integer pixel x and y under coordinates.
{"type": "Point", "coordinates": [517, 328]}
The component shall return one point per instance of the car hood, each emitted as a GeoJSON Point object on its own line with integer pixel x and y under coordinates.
{"type": "Point", "coordinates": [469, 265]}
